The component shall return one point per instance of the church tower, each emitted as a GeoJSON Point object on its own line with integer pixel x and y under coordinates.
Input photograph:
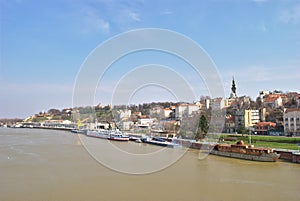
{"type": "Point", "coordinates": [233, 89]}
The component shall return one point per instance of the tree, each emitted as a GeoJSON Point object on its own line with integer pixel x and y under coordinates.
{"type": "Point", "coordinates": [202, 127]}
{"type": "Point", "coordinates": [242, 130]}
{"type": "Point", "coordinates": [54, 111]}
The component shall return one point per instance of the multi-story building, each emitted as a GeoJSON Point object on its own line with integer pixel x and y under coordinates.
{"type": "Point", "coordinates": [291, 121]}
{"type": "Point", "coordinates": [124, 114]}
{"type": "Point", "coordinates": [185, 110]}
{"type": "Point", "coordinates": [246, 118]}
{"type": "Point", "coordinates": [229, 124]}
{"type": "Point", "coordinates": [273, 100]}
{"type": "Point", "coordinates": [218, 103]}
{"type": "Point", "coordinates": [160, 112]}
{"type": "Point", "coordinates": [263, 128]}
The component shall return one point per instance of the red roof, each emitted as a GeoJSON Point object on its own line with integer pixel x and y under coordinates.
{"type": "Point", "coordinates": [266, 124]}
{"type": "Point", "coordinates": [292, 110]}
{"type": "Point", "coordinates": [271, 98]}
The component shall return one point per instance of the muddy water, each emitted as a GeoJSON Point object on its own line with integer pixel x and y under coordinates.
{"type": "Point", "coordinates": [54, 165]}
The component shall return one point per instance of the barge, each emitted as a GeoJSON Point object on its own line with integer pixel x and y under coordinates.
{"type": "Point", "coordinates": [244, 151]}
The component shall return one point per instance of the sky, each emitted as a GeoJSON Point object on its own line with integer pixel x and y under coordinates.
{"type": "Point", "coordinates": [43, 45]}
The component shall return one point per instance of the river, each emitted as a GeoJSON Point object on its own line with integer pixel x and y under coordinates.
{"type": "Point", "coordinates": [58, 165]}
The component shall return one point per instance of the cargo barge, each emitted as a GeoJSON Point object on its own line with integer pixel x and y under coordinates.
{"type": "Point", "coordinates": [244, 151]}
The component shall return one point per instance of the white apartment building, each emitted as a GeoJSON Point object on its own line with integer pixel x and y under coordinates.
{"type": "Point", "coordinates": [185, 110]}
{"type": "Point", "coordinates": [291, 121]}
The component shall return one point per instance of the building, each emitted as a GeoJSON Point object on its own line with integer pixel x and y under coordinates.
{"type": "Point", "coordinates": [251, 118]}
{"type": "Point", "coordinates": [246, 118]}
{"type": "Point", "coordinates": [291, 121]}
{"type": "Point", "coordinates": [262, 114]}
{"type": "Point", "coordinates": [185, 110]}
{"type": "Point", "coordinates": [126, 125]}
{"type": "Point", "coordinates": [218, 103]}
{"type": "Point", "coordinates": [272, 100]}
{"type": "Point", "coordinates": [145, 121]}
{"type": "Point", "coordinates": [167, 112]}
{"type": "Point", "coordinates": [160, 112]}
{"type": "Point", "coordinates": [233, 90]}
{"type": "Point", "coordinates": [262, 94]}
{"type": "Point", "coordinates": [263, 128]}
{"type": "Point", "coordinates": [124, 114]}
{"type": "Point", "coordinates": [229, 124]}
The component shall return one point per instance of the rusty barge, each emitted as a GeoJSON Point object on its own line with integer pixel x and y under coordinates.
{"type": "Point", "coordinates": [245, 151]}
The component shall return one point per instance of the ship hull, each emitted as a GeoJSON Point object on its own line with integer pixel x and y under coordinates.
{"type": "Point", "coordinates": [119, 138]}
{"type": "Point", "coordinates": [271, 157]}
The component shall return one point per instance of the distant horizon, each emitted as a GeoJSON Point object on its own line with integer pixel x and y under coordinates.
{"type": "Point", "coordinates": [106, 104]}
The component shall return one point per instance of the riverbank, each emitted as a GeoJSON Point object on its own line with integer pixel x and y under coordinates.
{"type": "Point", "coordinates": [275, 142]}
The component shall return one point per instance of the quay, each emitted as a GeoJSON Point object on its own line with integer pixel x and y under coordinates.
{"type": "Point", "coordinates": [285, 154]}
{"type": "Point", "coordinates": [289, 155]}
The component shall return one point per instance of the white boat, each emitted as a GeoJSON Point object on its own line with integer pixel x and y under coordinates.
{"type": "Point", "coordinates": [138, 140]}
{"type": "Point", "coordinates": [118, 136]}
{"type": "Point", "coordinates": [79, 131]}
{"type": "Point", "coordinates": [101, 133]}
{"type": "Point", "coordinates": [159, 141]}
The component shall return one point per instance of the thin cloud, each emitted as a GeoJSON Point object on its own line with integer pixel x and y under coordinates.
{"type": "Point", "coordinates": [167, 12]}
{"type": "Point", "coordinates": [93, 22]}
{"type": "Point", "coordinates": [264, 27]}
{"type": "Point", "coordinates": [259, 1]}
{"type": "Point", "coordinates": [261, 73]}
{"type": "Point", "coordinates": [291, 15]}
{"type": "Point", "coordinates": [134, 16]}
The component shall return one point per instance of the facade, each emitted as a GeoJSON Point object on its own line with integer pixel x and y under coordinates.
{"type": "Point", "coordinates": [251, 118]}
{"type": "Point", "coordinates": [218, 103]}
{"type": "Point", "coordinates": [229, 124]}
{"type": "Point", "coordinates": [160, 112]}
{"type": "Point", "coordinates": [291, 121]}
{"type": "Point", "coordinates": [262, 94]}
{"type": "Point", "coordinates": [145, 121]}
{"type": "Point", "coordinates": [185, 110]}
{"type": "Point", "coordinates": [246, 118]}
{"type": "Point", "coordinates": [126, 125]}
{"type": "Point", "coordinates": [263, 128]}
{"type": "Point", "coordinates": [273, 100]}
{"type": "Point", "coordinates": [167, 112]}
{"type": "Point", "coordinates": [262, 114]}
{"type": "Point", "coordinates": [124, 114]}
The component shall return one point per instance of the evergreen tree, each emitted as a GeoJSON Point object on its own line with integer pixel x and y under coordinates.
{"type": "Point", "coordinates": [202, 127]}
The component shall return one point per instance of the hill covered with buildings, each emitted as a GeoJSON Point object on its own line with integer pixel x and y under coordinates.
{"type": "Point", "coordinates": [272, 113]}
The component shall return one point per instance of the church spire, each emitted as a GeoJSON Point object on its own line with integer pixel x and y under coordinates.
{"type": "Point", "coordinates": [233, 89]}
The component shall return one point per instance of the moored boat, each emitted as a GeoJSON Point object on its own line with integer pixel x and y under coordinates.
{"type": "Point", "coordinates": [138, 140]}
{"type": "Point", "coordinates": [159, 141]}
{"type": "Point", "coordinates": [244, 151]}
{"type": "Point", "coordinates": [118, 136]}
{"type": "Point", "coordinates": [101, 133]}
{"type": "Point", "coordinates": [79, 131]}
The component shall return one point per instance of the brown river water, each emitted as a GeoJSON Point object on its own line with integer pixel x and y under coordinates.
{"type": "Point", "coordinates": [55, 165]}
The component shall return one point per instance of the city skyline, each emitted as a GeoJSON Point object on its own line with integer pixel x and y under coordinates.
{"type": "Point", "coordinates": [43, 45]}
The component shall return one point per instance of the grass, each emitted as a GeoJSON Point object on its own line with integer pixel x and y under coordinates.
{"type": "Point", "coordinates": [279, 142]}
{"type": "Point", "coordinates": [277, 145]}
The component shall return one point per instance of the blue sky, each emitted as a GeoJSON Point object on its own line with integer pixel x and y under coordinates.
{"type": "Point", "coordinates": [44, 43]}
